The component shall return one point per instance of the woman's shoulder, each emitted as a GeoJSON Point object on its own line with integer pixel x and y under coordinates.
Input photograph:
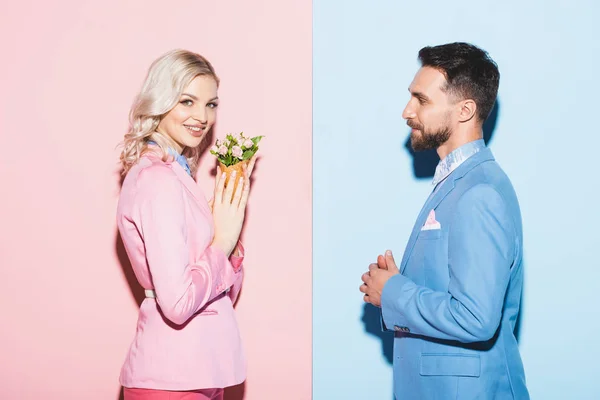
{"type": "Point", "coordinates": [150, 180]}
{"type": "Point", "coordinates": [149, 173]}
{"type": "Point", "coordinates": [153, 173]}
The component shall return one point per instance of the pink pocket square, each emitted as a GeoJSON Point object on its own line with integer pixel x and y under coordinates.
{"type": "Point", "coordinates": [431, 223]}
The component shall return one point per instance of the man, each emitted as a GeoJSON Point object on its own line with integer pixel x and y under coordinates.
{"type": "Point", "coordinates": [455, 297]}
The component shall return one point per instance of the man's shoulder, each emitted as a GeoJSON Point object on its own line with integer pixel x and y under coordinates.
{"type": "Point", "coordinates": [488, 187]}
{"type": "Point", "coordinates": [487, 174]}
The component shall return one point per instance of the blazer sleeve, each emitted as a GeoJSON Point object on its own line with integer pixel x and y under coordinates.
{"type": "Point", "coordinates": [238, 263]}
{"type": "Point", "coordinates": [182, 287]}
{"type": "Point", "coordinates": [481, 248]}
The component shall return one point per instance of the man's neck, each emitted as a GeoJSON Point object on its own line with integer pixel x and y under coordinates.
{"type": "Point", "coordinates": [457, 140]}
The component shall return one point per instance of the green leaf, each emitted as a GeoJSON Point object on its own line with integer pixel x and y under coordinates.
{"type": "Point", "coordinates": [248, 154]}
{"type": "Point", "coordinates": [256, 139]}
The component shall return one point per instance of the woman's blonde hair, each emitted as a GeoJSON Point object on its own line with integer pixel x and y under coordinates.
{"type": "Point", "coordinates": [167, 78]}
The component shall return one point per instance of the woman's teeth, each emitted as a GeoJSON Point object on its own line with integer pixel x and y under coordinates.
{"type": "Point", "coordinates": [193, 128]}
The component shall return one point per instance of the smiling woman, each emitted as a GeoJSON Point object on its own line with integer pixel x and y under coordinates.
{"type": "Point", "coordinates": [185, 253]}
{"type": "Point", "coordinates": [59, 239]}
{"type": "Point", "coordinates": [189, 121]}
{"type": "Point", "coordinates": [175, 108]}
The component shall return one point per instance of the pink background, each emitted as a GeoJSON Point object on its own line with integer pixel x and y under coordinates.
{"type": "Point", "coordinates": [68, 74]}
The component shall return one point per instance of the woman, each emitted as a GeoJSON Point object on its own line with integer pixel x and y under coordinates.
{"type": "Point", "coordinates": [184, 252]}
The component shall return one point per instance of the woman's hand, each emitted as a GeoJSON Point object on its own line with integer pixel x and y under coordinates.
{"type": "Point", "coordinates": [250, 168]}
{"type": "Point", "coordinates": [229, 208]}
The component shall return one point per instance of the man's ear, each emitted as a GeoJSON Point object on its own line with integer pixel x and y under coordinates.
{"type": "Point", "coordinates": [468, 108]}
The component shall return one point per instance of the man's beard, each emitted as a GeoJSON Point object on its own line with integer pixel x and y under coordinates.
{"type": "Point", "coordinates": [428, 140]}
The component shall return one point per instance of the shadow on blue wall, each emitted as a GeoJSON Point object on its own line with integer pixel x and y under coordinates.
{"type": "Point", "coordinates": [424, 164]}
{"type": "Point", "coordinates": [372, 321]}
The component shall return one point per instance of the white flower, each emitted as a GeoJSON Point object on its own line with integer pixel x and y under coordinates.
{"type": "Point", "coordinates": [236, 151]}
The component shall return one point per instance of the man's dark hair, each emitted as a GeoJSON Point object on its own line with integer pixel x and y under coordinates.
{"type": "Point", "coordinates": [470, 73]}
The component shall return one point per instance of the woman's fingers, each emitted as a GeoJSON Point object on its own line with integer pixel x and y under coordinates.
{"type": "Point", "coordinates": [246, 191]}
{"type": "Point", "coordinates": [244, 181]}
{"type": "Point", "coordinates": [239, 198]}
{"type": "Point", "coordinates": [229, 188]}
{"type": "Point", "coordinates": [218, 198]}
{"type": "Point", "coordinates": [238, 192]}
{"type": "Point", "coordinates": [251, 165]}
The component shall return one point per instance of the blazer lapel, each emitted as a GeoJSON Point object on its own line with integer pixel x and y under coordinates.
{"type": "Point", "coordinates": [436, 198]}
{"type": "Point", "coordinates": [432, 202]}
{"type": "Point", "coordinates": [187, 181]}
{"type": "Point", "coordinates": [191, 185]}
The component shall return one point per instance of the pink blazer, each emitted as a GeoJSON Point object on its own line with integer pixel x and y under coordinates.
{"type": "Point", "coordinates": [187, 337]}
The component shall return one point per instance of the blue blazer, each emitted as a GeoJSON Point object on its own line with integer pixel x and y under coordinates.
{"type": "Point", "coordinates": [454, 304]}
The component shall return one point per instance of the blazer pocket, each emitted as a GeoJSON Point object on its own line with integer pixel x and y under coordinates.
{"type": "Point", "coordinates": [208, 312]}
{"type": "Point", "coordinates": [439, 364]}
{"type": "Point", "coordinates": [430, 234]}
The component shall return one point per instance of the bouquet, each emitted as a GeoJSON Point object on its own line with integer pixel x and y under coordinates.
{"type": "Point", "coordinates": [233, 153]}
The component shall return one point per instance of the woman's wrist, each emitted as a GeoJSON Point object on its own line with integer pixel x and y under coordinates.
{"type": "Point", "coordinates": [225, 247]}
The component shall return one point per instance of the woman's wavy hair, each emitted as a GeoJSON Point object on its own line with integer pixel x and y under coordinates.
{"type": "Point", "coordinates": [167, 78]}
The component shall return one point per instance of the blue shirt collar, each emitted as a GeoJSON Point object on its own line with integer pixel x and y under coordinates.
{"type": "Point", "coordinates": [456, 158]}
{"type": "Point", "coordinates": [181, 160]}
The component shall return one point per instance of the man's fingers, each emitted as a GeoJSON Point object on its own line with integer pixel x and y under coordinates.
{"type": "Point", "coordinates": [381, 262]}
{"type": "Point", "coordinates": [373, 270]}
{"type": "Point", "coordinates": [366, 278]}
{"type": "Point", "coordinates": [389, 260]}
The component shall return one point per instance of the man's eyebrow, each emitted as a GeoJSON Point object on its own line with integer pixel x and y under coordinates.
{"type": "Point", "coordinates": [418, 95]}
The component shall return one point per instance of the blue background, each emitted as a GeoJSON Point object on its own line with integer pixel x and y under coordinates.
{"type": "Point", "coordinates": [367, 191]}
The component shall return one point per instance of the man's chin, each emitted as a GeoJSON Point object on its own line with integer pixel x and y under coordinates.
{"type": "Point", "coordinates": [418, 145]}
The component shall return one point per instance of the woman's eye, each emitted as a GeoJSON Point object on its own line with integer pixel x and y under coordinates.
{"type": "Point", "coordinates": [212, 105]}
{"type": "Point", "coordinates": [187, 102]}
